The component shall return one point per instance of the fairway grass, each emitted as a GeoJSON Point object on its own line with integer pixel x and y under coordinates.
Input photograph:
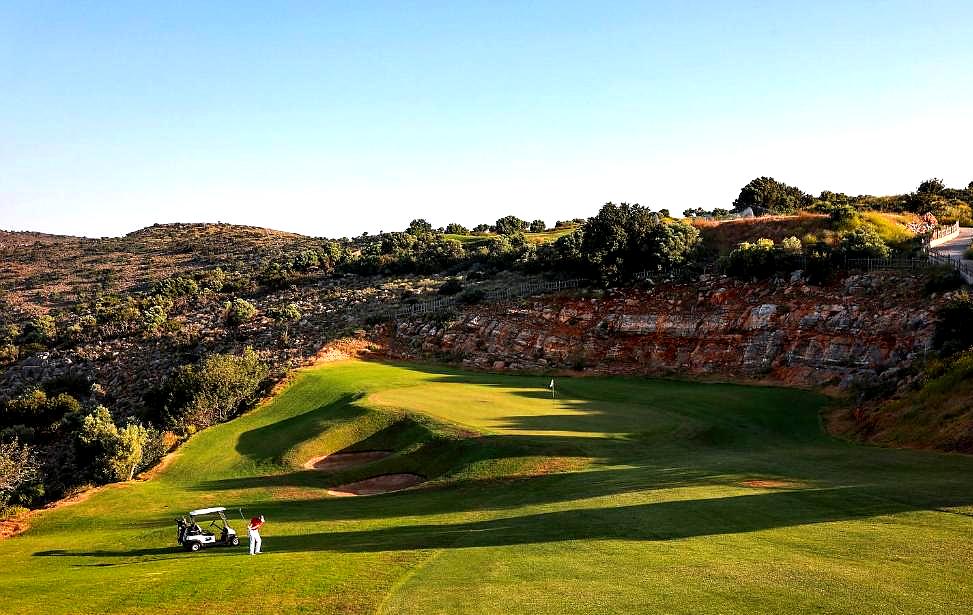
{"type": "Point", "coordinates": [621, 495]}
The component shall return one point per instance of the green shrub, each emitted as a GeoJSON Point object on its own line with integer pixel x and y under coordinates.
{"type": "Point", "coordinates": [864, 243]}
{"type": "Point", "coordinates": [117, 450]}
{"type": "Point", "coordinates": [210, 392]}
{"type": "Point", "coordinates": [942, 279]}
{"type": "Point", "coordinates": [19, 467]}
{"type": "Point", "coordinates": [286, 313]}
{"type": "Point", "coordinates": [953, 331]}
{"type": "Point", "coordinates": [176, 287]}
{"type": "Point", "coordinates": [471, 296]}
{"type": "Point", "coordinates": [239, 311]}
{"type": "Point", "coordinates": [451, 287]}
{"type": "Point", "coordinates": [752, 260]}
{"type": "Point", "coordinates": [41, 329]}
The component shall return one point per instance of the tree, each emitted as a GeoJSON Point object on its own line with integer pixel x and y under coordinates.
{"type": "Point", "coordinates": [481, 228]}
{"type": "Point", "coordinates": [454, 228]}
{"type": "Point", "coordinates": [538, 226]}
{"type": "Point", "coordinates": [211, 391]}
{"type": "Point", "coordinates": [931, 186]}
{"type": "Point", "coordinates": [18, 466]}
{"type": "Point", "coordinates": [510, 225]}
{"type": "Point", "coordinates": [766, 194]}
{"type": "Point", "coordinates": [238, 312]}
{"type": "Point", "coordinates": [117, 452]}
{"type": "Point", "coordinates": [419, 228]}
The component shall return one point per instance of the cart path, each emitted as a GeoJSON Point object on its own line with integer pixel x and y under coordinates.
{"type": "Point", "coordinates": [957, 246]}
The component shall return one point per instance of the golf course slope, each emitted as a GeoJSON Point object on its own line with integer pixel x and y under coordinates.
{"type": "Point", "coordinates": [621, 495]}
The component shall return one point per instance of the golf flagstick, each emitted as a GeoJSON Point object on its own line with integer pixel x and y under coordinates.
{"type": "Point", "coordinates": [553, 392]}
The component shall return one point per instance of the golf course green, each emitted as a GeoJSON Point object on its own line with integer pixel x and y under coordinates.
{"type": "Point", "coordinates": [622, 495]}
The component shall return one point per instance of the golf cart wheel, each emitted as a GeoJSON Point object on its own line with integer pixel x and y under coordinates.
{"type": "Point", "coordinates": [235, 541]}
{"type": "Point", "coordinates": [195, 546]}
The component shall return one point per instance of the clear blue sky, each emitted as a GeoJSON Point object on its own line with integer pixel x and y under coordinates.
{"type": "Point", "coordinates": [333, 118]}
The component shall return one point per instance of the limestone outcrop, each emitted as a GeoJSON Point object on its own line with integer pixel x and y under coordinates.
{"type": "Point", "coordinates": [860, 331]}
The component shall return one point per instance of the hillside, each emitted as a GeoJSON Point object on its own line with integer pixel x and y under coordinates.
{"type": "Point", "coordinates": [141, 331]}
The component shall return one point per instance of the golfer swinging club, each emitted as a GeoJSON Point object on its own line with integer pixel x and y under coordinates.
{"type": "Point", "coordinates": [253, 531]}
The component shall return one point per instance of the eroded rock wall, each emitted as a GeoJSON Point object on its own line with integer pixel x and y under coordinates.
{"type": "Point", "coordinates": [862, 330]}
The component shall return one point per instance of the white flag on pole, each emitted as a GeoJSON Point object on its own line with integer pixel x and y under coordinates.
{"type": "Point", "coordinates": [551, 386]}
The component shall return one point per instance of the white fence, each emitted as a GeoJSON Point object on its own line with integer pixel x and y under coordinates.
{"type": "Point", "coordinates": [942, 234]}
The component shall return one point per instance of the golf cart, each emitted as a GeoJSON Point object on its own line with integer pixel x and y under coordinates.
{"type": "Point", "coordinates": [218, 533]}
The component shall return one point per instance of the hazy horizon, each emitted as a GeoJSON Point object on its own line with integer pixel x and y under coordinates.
{"type": "Point", "coordinates": [335, 120]}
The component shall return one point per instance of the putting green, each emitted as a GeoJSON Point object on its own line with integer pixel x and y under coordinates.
{"type": "Point", "coordinates": [623, 495]}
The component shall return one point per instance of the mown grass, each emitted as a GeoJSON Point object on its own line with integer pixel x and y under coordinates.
{"type": "Point", "coordinates": [623, 495]}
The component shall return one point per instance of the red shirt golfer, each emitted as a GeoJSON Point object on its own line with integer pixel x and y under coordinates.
{"type": "Point", "coordinates": [254, 533]}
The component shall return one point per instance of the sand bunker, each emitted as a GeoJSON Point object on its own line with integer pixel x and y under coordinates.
{"type": "Point", "coordinates": [771, 484]}
{"type": "Point", "coordinates": [341, 461]}
{"type": "Point", "coordinates": [377, 484]}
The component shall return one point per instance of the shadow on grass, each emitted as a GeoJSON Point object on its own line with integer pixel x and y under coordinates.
{"type": "Point", "coordinates": [269, 442]}
{"type": "Point", "coordinates": [660, 521]}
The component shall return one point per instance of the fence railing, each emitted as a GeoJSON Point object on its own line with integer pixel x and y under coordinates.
{"type": "Point", "coordinates": [957, 263]}
{"type": "Point", "coordinates": [896, 263]}
{"type": "Point", "coordinates": [941, 233]}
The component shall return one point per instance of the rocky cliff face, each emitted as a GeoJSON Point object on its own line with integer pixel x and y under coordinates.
{"type": "Point", "coordinates": [863, 330]}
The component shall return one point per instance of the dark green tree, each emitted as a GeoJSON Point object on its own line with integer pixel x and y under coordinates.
{"type": "Point", "coordinates": [510, 225]}
{"type": "Point", "coordinates": [767, 195]}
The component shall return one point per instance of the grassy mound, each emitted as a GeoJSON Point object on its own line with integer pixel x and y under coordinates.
{"type": "Point", "coordinates": [622, 495]}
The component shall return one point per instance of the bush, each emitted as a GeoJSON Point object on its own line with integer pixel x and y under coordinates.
{"type": "Point", "coordinates": [42, 329]}
{"type": "Point", "coordinates": [210, 392]}
{"type": "Point", "coordinates": [239, 311]}
{"type": "Point", "coordinates": [953, 331]}
{"type": "Point", "coordinates": [286, 313]}
{"type": "Point", "coordinates": [537, 226]}
{"type": "Point", "coordinates": [451, 287]}
{"type": "Point", "coordinates": [18, 467]}
{"type": "Point", "coordinates": [176, 287]}
{"type": "Point", "coordinates": [942, 279]}
{"type": "Point", "coordinates": [456, 229]}
{"type": "Point", "coordinates": [117, 451]}
{"type": "Point", "coordinates": [864, 243]}
{"type": "Point", "coordinates": [37, 410]}
{"type": "Point", "coordinates": [471, 296]}
{"type": "Point", "coordinates": [153, 318]}
{"type": "Point", "coordinates": [752, 260]}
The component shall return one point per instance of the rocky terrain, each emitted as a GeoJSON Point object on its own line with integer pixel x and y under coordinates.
{"type": "Point", "coordinates": [858, 332]}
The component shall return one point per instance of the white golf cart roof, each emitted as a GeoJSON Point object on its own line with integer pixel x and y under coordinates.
{"type": "Point", "coordinates": [206, 511]}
